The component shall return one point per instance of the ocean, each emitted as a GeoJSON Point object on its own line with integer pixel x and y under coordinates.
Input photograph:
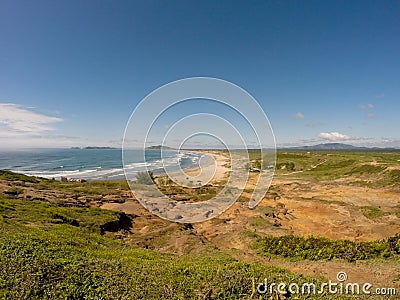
{"type": "Point", "coordinates": [90, 164]}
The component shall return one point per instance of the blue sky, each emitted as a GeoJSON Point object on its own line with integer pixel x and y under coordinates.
{"type": "Point", "coordinates": [71, 72]}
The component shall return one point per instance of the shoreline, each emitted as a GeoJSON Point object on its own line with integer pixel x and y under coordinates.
{"type": "Point", "coordinates": [118, 174]}
{"type": "Point", "coordinates": [213, 170]}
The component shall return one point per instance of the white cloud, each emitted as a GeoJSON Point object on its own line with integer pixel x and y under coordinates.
{"type": "Point", "coordinates": [381, 95]}
{"type": "Point", "coordinates": [299, 115]}
{"type": "Point", "coordinates": [334, 136]}
{"type": "Point", "coordinates": [15, 119]}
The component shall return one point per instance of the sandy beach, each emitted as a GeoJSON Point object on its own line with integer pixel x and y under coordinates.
{"type": "Point", "coordinates": [214, 166]}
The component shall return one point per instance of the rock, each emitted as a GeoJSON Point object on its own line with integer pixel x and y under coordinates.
{"type": "Point", "coordinates": [68, 179]}
{"type": "Point", "coordinates": [209, 213]}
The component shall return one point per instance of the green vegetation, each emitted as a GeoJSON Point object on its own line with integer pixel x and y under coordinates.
{"type": "Point", "coordinates": [371, 212]}
{"type": "Point", "coordinates": [14, 191]}
{"type": "Point", "coordinates": [181, 193]}
{"type": "Point", "coordinates": [41, 214]}
{"type": "Point", "coordinates": [366, 168]}
{"type": "Point", "coordinates": [52, 252]}
{"type": "Point", "coordinates": [319, 248]}
{"type": "Point", "coordinates": [394, 176]}
{"type": "Point", "coordinates": [98, 187]}
{"type": "Point", "coordinates": [257, 221]}
{"type": "Point", "coordinates": [288, 166]}
{"type": "Point", "coordinates": [11, 176]}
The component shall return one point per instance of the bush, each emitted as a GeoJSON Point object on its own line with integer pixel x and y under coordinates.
{"type": "Point", "coordinates": [318, 248]}
{"type": "Point", "coordinates": [289, 166]}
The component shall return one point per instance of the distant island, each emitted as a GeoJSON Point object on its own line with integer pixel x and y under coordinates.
{"type": "Point", "coordinates": [159, 147]}
{"type": "Point", "coordinates": [93, 147]}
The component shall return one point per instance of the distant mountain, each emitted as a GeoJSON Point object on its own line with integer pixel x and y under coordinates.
{"type": "Point", "coordinates": [93, 147]}
{"type": "Point", "coordinates": [337, 146]}
{"type": "Point", "coordinates": [331, 146]}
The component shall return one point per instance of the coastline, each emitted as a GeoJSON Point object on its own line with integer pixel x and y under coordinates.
{"type": "Point", "coordinates": [214, 169]}
{"type": "Point", "coordinates": [99, 171]}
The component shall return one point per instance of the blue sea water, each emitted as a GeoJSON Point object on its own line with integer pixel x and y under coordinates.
{"type": "Point", "coordinates": [90, 164]}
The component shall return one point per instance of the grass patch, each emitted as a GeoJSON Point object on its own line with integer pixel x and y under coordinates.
{"type": "Point", "coordinates": [257, 221]}
{"type": "Point", "coordinates": [394, 177]}
{"type": "Point", "coordinates": [371, 212]}
{"type": "Point", "coordinates": [98, 187]}
{"type": "Point", "coordinates": [46, 215]}
{"type": "Point", "coordinates": [366, 170]}
{"type": "Point", "coordinates": [11, 176]}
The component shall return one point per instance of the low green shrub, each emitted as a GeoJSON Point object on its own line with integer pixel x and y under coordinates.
{"type": "Point", "coordinates": [320, 248]}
